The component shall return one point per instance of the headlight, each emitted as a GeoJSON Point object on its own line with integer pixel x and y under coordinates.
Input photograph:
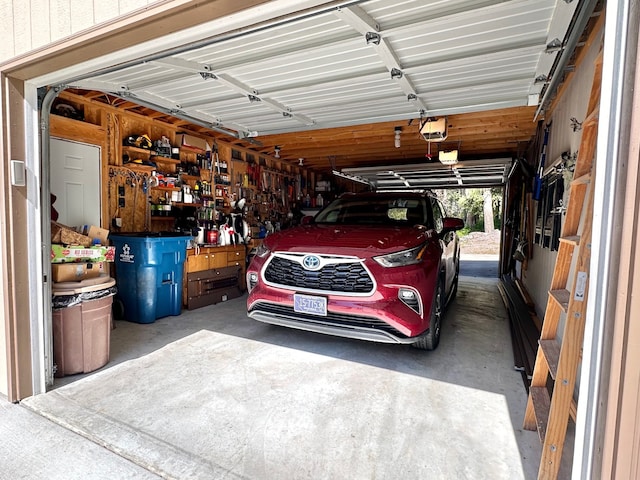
{"type": "Point", "coordinates": [400, 259]}
{"type": "Point", "coordinates": [262, 251]}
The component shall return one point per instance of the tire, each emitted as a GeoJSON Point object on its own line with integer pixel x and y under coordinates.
{"type": "Point", "coordinates": [430, 340]}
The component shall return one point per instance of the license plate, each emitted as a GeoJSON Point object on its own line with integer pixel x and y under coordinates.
{"type": "Point", "coordinates": [310, 304]}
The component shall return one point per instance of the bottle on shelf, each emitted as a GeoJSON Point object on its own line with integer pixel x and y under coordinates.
{"type": "Point", "coordinates": [212, 234]}
{"type": "Point", "coordinates": [196, 192]}
{"type": "Point", "coordinates": [166, 205]}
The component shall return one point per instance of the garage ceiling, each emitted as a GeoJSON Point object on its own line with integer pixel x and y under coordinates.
{"type": "Point", "coordinates": [332, 85]}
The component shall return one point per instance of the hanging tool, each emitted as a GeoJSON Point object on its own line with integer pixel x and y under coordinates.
{"type": "Point", "coordinates": [537, 182]}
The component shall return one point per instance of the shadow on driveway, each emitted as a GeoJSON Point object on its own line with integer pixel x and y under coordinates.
{"type": "Point", "coordinates": [485, 266]}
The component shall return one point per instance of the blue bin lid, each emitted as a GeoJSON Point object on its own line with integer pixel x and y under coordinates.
{"type": "Point", "coordinates": [150, 234]}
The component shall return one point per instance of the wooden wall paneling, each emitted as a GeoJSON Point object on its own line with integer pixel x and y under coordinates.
{"type": "Point", "coordinates": [69, 129]}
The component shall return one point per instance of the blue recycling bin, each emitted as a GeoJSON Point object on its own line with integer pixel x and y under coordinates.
{"type": "Point", "coordinates": [149, 274]}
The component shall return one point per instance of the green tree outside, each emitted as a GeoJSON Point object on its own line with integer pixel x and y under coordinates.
{"type": "Point", "coordinates": [469, 205]}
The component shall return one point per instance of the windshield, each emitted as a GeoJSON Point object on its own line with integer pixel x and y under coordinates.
{"type": "Point", "coordinates": [375, 210]}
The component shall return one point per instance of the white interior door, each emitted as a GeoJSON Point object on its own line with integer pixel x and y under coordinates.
{"type": "Point", "coordinates": [75, 180]}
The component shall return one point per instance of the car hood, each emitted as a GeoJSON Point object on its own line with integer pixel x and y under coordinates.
{"type": "Point", "coordinates": [356, 240]}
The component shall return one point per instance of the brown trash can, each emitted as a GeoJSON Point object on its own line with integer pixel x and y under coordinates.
{"type": "Point", "coordinates": [82, 331]}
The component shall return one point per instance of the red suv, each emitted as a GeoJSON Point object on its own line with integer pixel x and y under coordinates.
{"type": "Point", "coordinates": [372, 266]}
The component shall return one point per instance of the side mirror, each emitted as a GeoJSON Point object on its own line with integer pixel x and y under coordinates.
{"type": "Point", "coordinates": [306, 220]}
{"type": "Point", "coordinates": [452, 224]}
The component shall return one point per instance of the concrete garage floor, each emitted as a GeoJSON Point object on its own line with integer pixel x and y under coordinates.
{"type": "Point", "coordinates": [214, 394]}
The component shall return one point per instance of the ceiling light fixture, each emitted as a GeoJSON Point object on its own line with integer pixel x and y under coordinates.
{"type": "Point", "coordinates": [276, 153]}
{"type": "Point", "coordinates": [301, 162]}
{"type": "Point", "coordinates": [448, 157]}
{"type": "Point", "coordinates": [398, 131]}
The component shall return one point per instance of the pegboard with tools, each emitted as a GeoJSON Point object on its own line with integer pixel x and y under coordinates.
{"type": "Point", "coordinates": [128, 192]}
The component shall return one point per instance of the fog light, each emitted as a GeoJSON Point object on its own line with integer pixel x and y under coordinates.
{"type": "Point", "coordinates": [407, 294]}
{"type": "Point", "coordinates": [252, 280]}
{"type": "Point", "coordinates": [410, 298]}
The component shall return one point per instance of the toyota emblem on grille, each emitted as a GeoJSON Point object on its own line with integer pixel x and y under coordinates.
{"type": "Point", "coordinates": [311, 262]}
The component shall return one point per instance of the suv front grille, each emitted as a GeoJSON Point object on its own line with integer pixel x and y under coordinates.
{"type": "Point", "coordinates": [349, 277]}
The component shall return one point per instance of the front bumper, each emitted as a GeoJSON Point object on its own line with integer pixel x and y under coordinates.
{"type": "Point", "coordinates": [350, 326]}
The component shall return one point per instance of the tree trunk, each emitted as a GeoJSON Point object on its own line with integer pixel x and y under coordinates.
{"type": "Point", "coordinates": [469, 220]}
{"type": "Point", "coordinates": [488, 211]}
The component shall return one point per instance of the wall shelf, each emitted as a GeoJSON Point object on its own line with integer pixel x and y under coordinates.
{"type": "Point", "coordinates": [138, 167]}
{"type": "Point", "coordinates": [189, 177]}
{"type": "Point", "coordinates": [166, 160]}
{"type": "Point", "coordinates": [179, 204]}
{"type": "Point", "coordinates": [131, 149]}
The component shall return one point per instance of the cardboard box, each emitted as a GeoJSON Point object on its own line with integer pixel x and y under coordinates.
{"type": "Point", "coordinates": [78, 253]}
{"type": "Point", "coordinates": [100, 234]}
{"type": "Point", "coordinates": [68, 236]}
{"type": "Point", "coordinates": [189, 141]}
{"type": "Point", "coordinates": [75, 272]}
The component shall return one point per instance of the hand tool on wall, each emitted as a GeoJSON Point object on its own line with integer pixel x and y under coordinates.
{"type": "Point", "coordinates": [537, 182]}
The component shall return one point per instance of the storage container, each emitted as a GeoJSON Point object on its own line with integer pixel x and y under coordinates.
{"type": "Point", "coordinates": [82, 325]}
{"type": "Point", "coordinates": [149, 272]}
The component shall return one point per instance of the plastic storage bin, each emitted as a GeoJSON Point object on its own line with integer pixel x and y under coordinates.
{"type": "Point", "coordinates": [149, 271]}
{"type": "Point", "coordinates": [82, 324]}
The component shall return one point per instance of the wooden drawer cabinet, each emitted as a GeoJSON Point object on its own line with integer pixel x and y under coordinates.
{"type": "Point", "coordinates": [206, 261]}
{"type": "Point", "coordinates": [213, 286]}
{"type": "Point", "coordinates": [197, 263]}
{"type": "Point", "coordinates": [235, 257]}
{"type": "Point", "coordinates": [212, 275]}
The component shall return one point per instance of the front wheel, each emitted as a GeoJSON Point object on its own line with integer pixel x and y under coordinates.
{"type": "Point", "coordinates": [430, 340]}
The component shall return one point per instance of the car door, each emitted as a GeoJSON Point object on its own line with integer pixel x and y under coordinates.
{"type": "Point", "coordinates": [448, 243]}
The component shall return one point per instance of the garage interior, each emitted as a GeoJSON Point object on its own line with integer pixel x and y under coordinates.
{"type": "Point", "coordinates": [341, 98]}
